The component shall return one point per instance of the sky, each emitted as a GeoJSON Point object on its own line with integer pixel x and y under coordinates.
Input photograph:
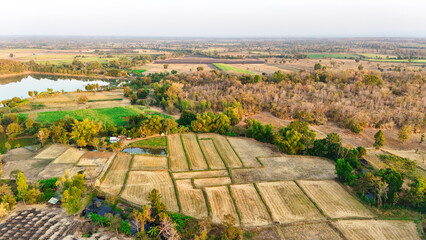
{"type": "Point", "coordinates": [219, 18]}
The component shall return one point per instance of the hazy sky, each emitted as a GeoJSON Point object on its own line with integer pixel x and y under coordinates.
{"type": "Point", "coordinates": [219, 18]}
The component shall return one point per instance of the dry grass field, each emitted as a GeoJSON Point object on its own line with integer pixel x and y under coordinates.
{"type": "Point", "coordinates": [377, 229]}
{"type": "Point", "coordinates": [209, 182]}
{"type": "Point", "coordinates": [309, 231]}
{"type": "Point", "coordinates": [116, 175]}
{"type": "Point", "coordinates": [181, 68]}
{"type": "Point", "coordinates": [145, 162]}
{"type": "Point", "coordinates": [225, 150]}
{"type": "Point", "coordinates": [250, 206]}
{"type": "Point", "coordinates": [192, 200]}
{"type": "Point", "coordinates": [30, 167]}
{"type": "Point", "coordinates": [221, 203]}
{"type": "Point", "coordinates": [286, 168]}
{"type": "Point", "coordinates": [248, 149]}
{"type": "Point", "coordinates": [418, 156]}
{"type": "Point", "coordinates": [71, 155]}
{"type": "Point", "coordinates": [94, 158]}
{"type": "Point", "coordinates": [140, 183]}
{"type": "Point", "coordinates": [333, 199]}
{"type": "Point", "coordinates": [200, 174]}
{"type": "Point", "coordinates": [177, 156]}
{"type": "Point", "coordinates": [52, 151]}
{"type": "Point", "coordinates": [55, 170]}
{"type": "Point", "coordinates": [193, 151]}
{"type": "Point", "coordinates": [212, 157]}
{"type": "Point", "coordinates": [287, 202]}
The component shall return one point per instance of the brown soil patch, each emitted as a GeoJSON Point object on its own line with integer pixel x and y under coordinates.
{"type": "Point", "coordinates": [71, 155]}
{"type": "Point", "coordinates": [192, 200]}
{"type": "Point", "coordinates": [52, 151]}
{"type": "Point", "coordinates": [143, 162]}
{"type": "Point", "coordinates": [318, 231]}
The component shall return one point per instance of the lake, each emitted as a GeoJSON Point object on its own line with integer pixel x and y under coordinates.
{"type": "Point", "coordinates": [19, 86]}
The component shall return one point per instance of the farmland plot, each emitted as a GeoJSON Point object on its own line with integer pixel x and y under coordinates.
{"type": "Point", "coordinates": [249, 149]}
{"type": "Point", "coordinates": [225, 150]}
{"type": "Point", "coordinates": [192, 200]}
{"type": "Point", "coordinates": [335, 201]}
{"type": "Point", "coordinates": [71, 155]}
{"type": "Point", "coordinates": [252, 210]}
{"type": "Point", "coordinates": [377, 229]}
{"type": "Point", "coordinates": [94, 158]}
{"type": "Point", "coordinates": [308, 231]}
{"type": "Point", "coordinates": [55, 170]}
{"type": "Point", "coordinates": [141, 183]}
{"type": "Point", "coordinates": [116, 175]}
{"type": "Point", "coordinates": [145, 162]}
{"type": "Point", "coordinates": [177, 155]}
{"type": "Point", "coordinates": [212, 157]}
{"type": "Point", "coordinates": [221, 203]}
{"type": "Point", "coordinates": [193, 151]}
{"type": "Point", "coordinates": [287, 202]}
{"type": "Point", "coordinates": [200, 174]}
{"type": "Point", "coordinates": [208, 182]}
{"type": "Point", "coordinates": [53, 151]}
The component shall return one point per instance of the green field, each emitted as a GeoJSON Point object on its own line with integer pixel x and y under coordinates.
{"type": "Point", "coordinates": [113, 115]}
{"type": "Point", "coordinates": [66, 58]}
{"type": "Point", "coordinates": [333, 55]}
{"type": "Point", "coordinates": [226, 67]}
{"type": "Point", "coordinates": [154, 142]}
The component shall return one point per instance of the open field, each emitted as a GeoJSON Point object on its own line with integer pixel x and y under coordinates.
{"type": "Point", "coordinates": [249, 149]}
{"type": "Point", "coordinates": [287, 202]}
{"type": "Point", "coordinates": [333, 55]}
{"type": "Point", "coordinates": [334, 200]}
{"type": "Point", "coordinates": [286, 167]}
{"type": "Point", "coordinates": [178, 161]}
{"type": "Point", "coordinates": [377, 229]}
{"type": "Point", "coordinates": [225, 150]}
{"type": "Point", "coordinates": [200, 174]}
{"type": "Point", "coordinates": [55, 170]}
{"type": "Point", "coordinates": [308, 231]}
{"type": "Point", "coordinates": [221, 203]}
{"type": "Point", "coordinates": [152, 142]}
{"type": "Point", "coordinates": [52, 151]}
{"type": "Point", "coordinates": [193, 152]}
{"type": "Point", "coordinates": [180, 68]}
{"type": "Point", "coordinates": [192, 200]}
{"type": "Point", "coordinates": [141, 183]}
{"type": "Point", "coordinates": [94, 158]}
{"type": "Point", "coordinates": [116, 174]}
{"type": "Point", "coordinates": [259, 68]}
{"type": "Point", "coordinates": [208, 182]}
{"type": "Point", "coordinates": [204, 60]}
{"type": "Point", "coordinates": [30, 167]}
{"type": "Point", "coordinates": [145, 162]}
{"type": "Point", "coordinates": [71, 155]}
{"type": "Point", "coordinates": [230, 68]}
{"type": "Point", "coordinates": [418, 156]}
{"type": "Point", "coordinates": [212, 157]}
{"type": "Point", "coordinates": [250, 206]}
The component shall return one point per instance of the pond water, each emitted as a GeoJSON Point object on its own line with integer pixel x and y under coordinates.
{"type": "Point", "coordinates": [19, 86]}
{"type": "Point", "coordinates": [138, 150]}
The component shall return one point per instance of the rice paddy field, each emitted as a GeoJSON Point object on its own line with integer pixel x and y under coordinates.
{"type": "Point", "coordinates": [333, 55]}
{"type": "Point", "coordinates": [226, 67]}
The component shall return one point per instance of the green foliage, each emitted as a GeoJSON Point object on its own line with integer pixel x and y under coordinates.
{"type": "Point", "coordinates": [153, 231]}
{"type": "Point", "coordinates": [150, 142]}
{"type": "Point", "coordinates": [179, 220]}
{"type": "Point", "coordinates": [356, 128]}
{"type": "Point", "coordinates": [394, 179]}
{"type": "Point", "coordinates": [126, 228]}
{"type": "Point", "coordinates": [71, 200]}
{"type": "Point", "coordinates": [209, 122]}
{"type": "Point", "coordinates": [21, 185]}
{"type": "Point", "coordinates": [399, 163]}
{"type": "Point", "coordinates": [404, 133]}
{"type": "Point", "coordinates": [262, 133]}
{"type": "Point", "coordinates": [344, 171]}
{"type": "Point", "coordinates": [186, 118]}
{"type": "Point", "coordinates": [289, 141]}
{"type": "Point", "coordinates": [83, 132]}
{"type": "Point", "coordinates": [98, 220]}
{"type": "Point", "coordinates": [379, 139]}
{"type": "Point", "coordinates": [226, 67]}
{"type": "Point", "coordinates": [317, 66]}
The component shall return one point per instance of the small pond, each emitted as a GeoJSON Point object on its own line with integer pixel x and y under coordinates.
{"type": "Point", "coordinates": [139, 150]}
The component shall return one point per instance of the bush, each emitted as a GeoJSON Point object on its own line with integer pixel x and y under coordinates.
{"type": "Point", "coordinates": [356, 128]}
{"type": "Point", "coordinates": [82, 100]}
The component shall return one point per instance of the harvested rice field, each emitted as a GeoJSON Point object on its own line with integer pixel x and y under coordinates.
{"type": "Point", "coordinates": [221, 203]}
{"type": "Point", "coordinates": [249, 149]}
{"type": "Point", "coordinates": [212, 157]}
{"type": "Point", "coordinates": [250, 206]}
{"type": "Point", "coordinates": [192, 200]}
{"type": "Point", "coordinates": [114, 179]}
{"type": "Point", "coordinates": [193, 152]}
{"type": "Point", "coordinates": [200, 174]}
{"type": "Point", "coordinates": [140, 183]}
{"type": "Point", "coordinates": [225, 150]}
{"type": "Point", "coordinates": [377, 229]}
{"type": "Point", "coordinates": [309, 231]}
{"type": "Point", "coordinates": [71, 155]}
{"type": "Point", "coordinates": [287, 202]}
{"type": "Point", "coordinates": [55, 170]}
{"type": "Point", "coordinates": [208, 182]}
{"type": "Point", "coordinates": [178, 161]}
{"type": "Point", "coordinates": [333, 199]}
{"type": "Point", "coordinates": [95, 158]}
{"type": "Point", "coordinates": [146, 162]}
{"type": "Point", "coordinates": [53, 151]}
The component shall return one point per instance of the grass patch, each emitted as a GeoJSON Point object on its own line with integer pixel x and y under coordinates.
{"type": "Point", "coordinates": [154, 142]}
{"type": "Point", "coordinates": [333, 55]}
{"type": "Point", "coordinates": [226, 67]}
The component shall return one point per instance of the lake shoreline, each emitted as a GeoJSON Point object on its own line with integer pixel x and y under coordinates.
{"type": "Point", "coordinates": [2, 76]}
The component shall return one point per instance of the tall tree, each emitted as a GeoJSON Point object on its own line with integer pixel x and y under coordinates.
{"type": "Point", "coordinates": [379, 139]}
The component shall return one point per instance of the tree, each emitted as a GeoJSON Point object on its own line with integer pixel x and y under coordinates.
{"type": "Point", "coordinates": [186, 118]}
{"type": "Point", "coordinates": [404, 133]}
{"type": "Point", "coordinates": [84, 131]}
{"type": "Point", "coordinates": [289, 141]}
{"type": "Point", "coordinates": [82, 100]}
{"type": "Point", "coordinates": [356, 128]}
{"type": "Point", "coordinates": [42, 135]}
{"type": "Point", "coordinates": [13, 130]}
{"type": "Point", "coordinates": [142, 93]}
{"type": "Point", "coordinates": [199, 69]}
{"type": "Point", "coordinates": [166, 66]}
{"type": "Point", "coordinates": [32, 196]}
{"type": "Point", "coordinates": [96, 143]}
{"type": "Point", "coordinates": [231, 231]}
{"type": "Point", "coordinates": [393, 179]}
{"type": "Point", "coordinates": [7, 146]}
{"type": "Point", "coordinates": [141, 217]}
{"type": "Point", "coordinates": [71, 200]}
{"type": "Point", "coordinates": [21, 185]}
{"type": "Point", "coordinates": [157, 206]}
{"type": "Point", "coordinates": [127, 91]}
{"type": "Point", "coordinates": [31, 93]}
{"type": "Point", "coordinates": [379, 139]}
{"type": "Point", "coordinates": [114, 221]}
{"type": "Point", "coordinates": [262, 133]}
{"type": "Point", "coordinates": [417, 192]}
{"type": "Point", "coordinates": [344, 171]}
{"type": "Point", "coordinates": [317, 66]}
